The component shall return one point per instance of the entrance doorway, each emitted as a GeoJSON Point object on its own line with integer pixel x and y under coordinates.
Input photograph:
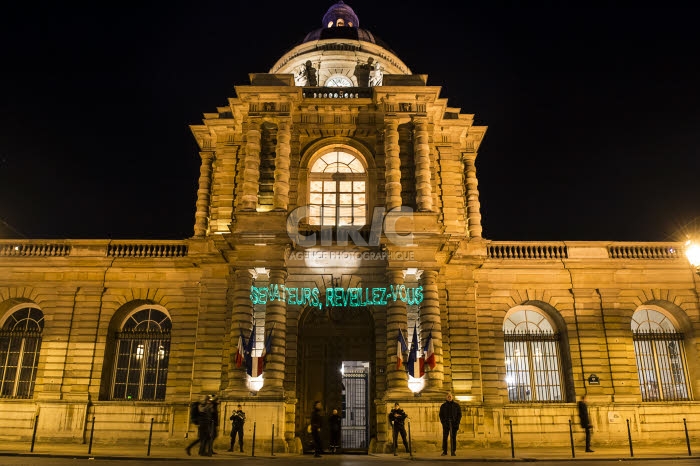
{"type": "Point", "coordinates": [335, 360]}
{"type": "Point", "coordinates": [355, 424]}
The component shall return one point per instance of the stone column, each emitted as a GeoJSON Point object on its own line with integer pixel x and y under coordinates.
{"type": "Point", "coordinates": [241, 319]}
{"type": "Point", "coordinates": [251, 172]}
{"type": "Point", "coordinates": [203, 195]}
{"type": "Point", "coordinates": [424, 189]}
{"type": "Point", "coordinates": [473, 204]}
{"type": "Point", "coordinates": [392, 163]}
{"type": "Point", "coordinates": [276, 321]}
{"type": "Point", "coordinates": [396, 318]}
{"type": "Point", "coordinates": [430, 322]}
{"type": "Point", "coordinates": [280, 189]}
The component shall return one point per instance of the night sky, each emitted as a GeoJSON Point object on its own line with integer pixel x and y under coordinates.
{"type": "Point", "coordinates": [593, 112]}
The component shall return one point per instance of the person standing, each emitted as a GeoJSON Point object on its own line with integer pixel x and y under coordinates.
{"type": "Point", "coordinates": [238, 420]}
{"type": "Point", "coordinates": [585, 421]}
{"type": "Point", "coordinates": [450, 417]}
{"type": "Point", "coordinates": [397, 418]}
{"type": "Point", "coordinates": [316, 420]}
{"type": "Point", "coordinates": [334, 425]}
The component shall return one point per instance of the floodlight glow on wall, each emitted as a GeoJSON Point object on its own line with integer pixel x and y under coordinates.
{"type": "Point", "coordinates": [255, 383]}
{"type": "Point", "coordinates": [416, 384]}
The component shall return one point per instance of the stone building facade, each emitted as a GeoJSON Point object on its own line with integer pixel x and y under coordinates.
{"type": "Point", "coordinates": [338, 206]}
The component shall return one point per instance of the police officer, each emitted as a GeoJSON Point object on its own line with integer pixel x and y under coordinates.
{"type": "Point", "coordinates": [397, 418]}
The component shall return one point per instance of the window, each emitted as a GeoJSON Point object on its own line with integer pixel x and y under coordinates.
{"type": "Point", "coordinates": [338, 191]}
{"type": "Point", "coordinates": [20, 341]}
{"type": "Point", "coordinates": [533, 361]}
{"type": "Point", "coordinates": [658, 347]}
{"type": "Point", "coordinates": [141, 359]}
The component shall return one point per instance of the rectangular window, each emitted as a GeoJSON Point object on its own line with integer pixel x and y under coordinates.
{"type": "Point", "coordinates": [141, 368]}
{"type": "Point", "coordinates": [533, 368]}
{"type": "Point", "coordinates": [661, 366]}
{"type": "Point", "coordinates": [19, 356]}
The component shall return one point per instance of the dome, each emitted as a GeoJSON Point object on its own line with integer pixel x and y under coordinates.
{"type": "Point", "coordinates": [340, 51]}
{"type": "Point", "coordinates": [341, 22]}
{"type": "Point", "coordinates": [340, 15]}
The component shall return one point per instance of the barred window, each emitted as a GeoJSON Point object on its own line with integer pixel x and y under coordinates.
{"type": "Point", "coordinates": [141, 359]}
{"type": "Point", "coordinates": [20, 341]}
{"type": "Point", "coordinates": [533, 360]}
{"type": "Point", "coordinates": [660, 354]}
{"type": "Point", "coordinates": [338, 190]}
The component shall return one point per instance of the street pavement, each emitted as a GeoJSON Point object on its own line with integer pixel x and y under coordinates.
{"type": "Point", "coordinates": [495, 454]}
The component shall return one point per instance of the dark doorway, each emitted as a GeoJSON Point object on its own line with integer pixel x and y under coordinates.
{"type": "Point", "coordinates": [336, 355]}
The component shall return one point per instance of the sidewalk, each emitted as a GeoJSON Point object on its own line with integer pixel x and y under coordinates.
{"type": "Point", "coordinates": [161, 453]}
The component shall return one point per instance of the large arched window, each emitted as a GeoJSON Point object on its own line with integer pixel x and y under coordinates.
{"type": "Point", "coordinates": [20, 341]}
{"type": "Point", "coordinates": [533, 359]}
{"type": "Point", "coordinates": [338, 190]}
{"type": "Point", "coordinates": [141, 358]}
{"type": "Point", "coordinates": [661, 364]}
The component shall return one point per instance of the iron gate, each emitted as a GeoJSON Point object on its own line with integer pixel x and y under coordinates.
{"type": "Point", "coordinates": [355, 425]}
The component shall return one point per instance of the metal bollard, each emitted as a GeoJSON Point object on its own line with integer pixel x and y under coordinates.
{"type": "Point", "coordinates": [36, 422]}
{"type": "Point", "coordinates": [252, 451]}
{"type": "Point", "coordinates": [629, 436]}
{"type": "Point", "coordinates": [92, 432]}
{"type": "Point", "coordinates": [272, 442]}
{"type": "Point", "coordinates": [410, 445]}
{"type": "Point", "coordinates": [687, 439]}
{"type": "Point", "coordinates": [512, 445]}
{"type": "Point", "coordinates": [150, 437]}
{"type": "Point", "coordinates": [571, 436]}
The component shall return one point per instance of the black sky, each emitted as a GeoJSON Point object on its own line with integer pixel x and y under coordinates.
{"type": "Point", "coordinates": [593, 112]}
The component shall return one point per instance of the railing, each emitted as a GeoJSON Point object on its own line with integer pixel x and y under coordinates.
{"type": "Point", "coordinates": [527, 251]}
{"type": "Point", "coordinates": [337, 92]}
{"type": "Point", "coordinates": [95, 248]}
{"type": "Point", "coordinates": [643, 251]}
{"type": "Point", "coordinates": [24, 248]}
{"type": "Point", "coordinates": [167, 249]}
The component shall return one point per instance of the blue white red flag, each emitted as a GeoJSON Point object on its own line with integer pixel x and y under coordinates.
{"type": "Point", "coordinates": [249, 353]}
{"type": "Point", "coordinates": [401, 347]}
{"type": "Point", "coordinates": [415, 362]}
{"type": "Point", "coordinates": [240, 350]}
{"type": "Point", "coordinates": [429, 351]}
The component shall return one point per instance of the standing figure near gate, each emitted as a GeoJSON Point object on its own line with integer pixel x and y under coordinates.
{"type": "Point", "coordinates": [316, 421]}
{"type": "Point", "coordinates": [238, 420]}
{"type": "Point", "coordinates": [397, 418]}
{"type": "Point", "coordinates": [334, 425]}
{"type": "Point", "coordinates": [450, 416]}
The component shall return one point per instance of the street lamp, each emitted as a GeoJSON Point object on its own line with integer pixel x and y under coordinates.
{"type": "Point", "coordinates": [692, 252]}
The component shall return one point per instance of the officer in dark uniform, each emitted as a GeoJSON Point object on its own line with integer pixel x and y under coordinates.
{"type": "Point", "coordinates": [397, 418]}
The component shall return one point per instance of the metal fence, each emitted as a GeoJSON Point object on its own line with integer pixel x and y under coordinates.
{"type": "Point", "coordinates": [661, 366]}
{"type": "Point", "coordinates": [533, 367]}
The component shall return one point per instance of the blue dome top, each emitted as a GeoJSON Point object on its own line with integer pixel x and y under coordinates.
{"type": "Point", "coordinates": [340, 11]}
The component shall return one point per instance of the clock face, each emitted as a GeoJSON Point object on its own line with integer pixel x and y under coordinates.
{"type": "Point", "coordinates": [338, 81]}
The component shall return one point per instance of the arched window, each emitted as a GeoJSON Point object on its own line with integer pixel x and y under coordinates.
{"type": "Point", "coordinates": [20, 341]}
{"type": "Point", "coordinates": [533, 359]}
{"type": "Point", "coordinates": [141, 359]}
{"type": "Point", "coordinates": [338, 190]}
{"type": "Point", "coordinates": [661, 364]}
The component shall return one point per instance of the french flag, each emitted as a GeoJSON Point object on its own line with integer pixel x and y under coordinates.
{"type": "Point", "coordinates": [401, 347]}
{"type": "Point", "coordinates": [415, 364]}
{"type": "Point", "coordinates": [240, 352]}
{"type": "Point", "coordinates": [429, 351]}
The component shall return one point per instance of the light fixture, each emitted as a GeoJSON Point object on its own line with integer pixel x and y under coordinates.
{"type": "Point", "coordinates": [692, 252]}
{"type": "Point", "coordinates": [255, 383]}
{"type": "Point", "coordinates": [416, 384]}
{"type": "Point", "coordinates": [139, 352]}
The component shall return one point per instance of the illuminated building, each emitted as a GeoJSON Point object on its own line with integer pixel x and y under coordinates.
{"type": "Point", "coordinates": [338, 206]}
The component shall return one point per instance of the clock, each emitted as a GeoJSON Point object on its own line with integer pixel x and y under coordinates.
{"type": "Point", "coordinates": [338, 81]}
